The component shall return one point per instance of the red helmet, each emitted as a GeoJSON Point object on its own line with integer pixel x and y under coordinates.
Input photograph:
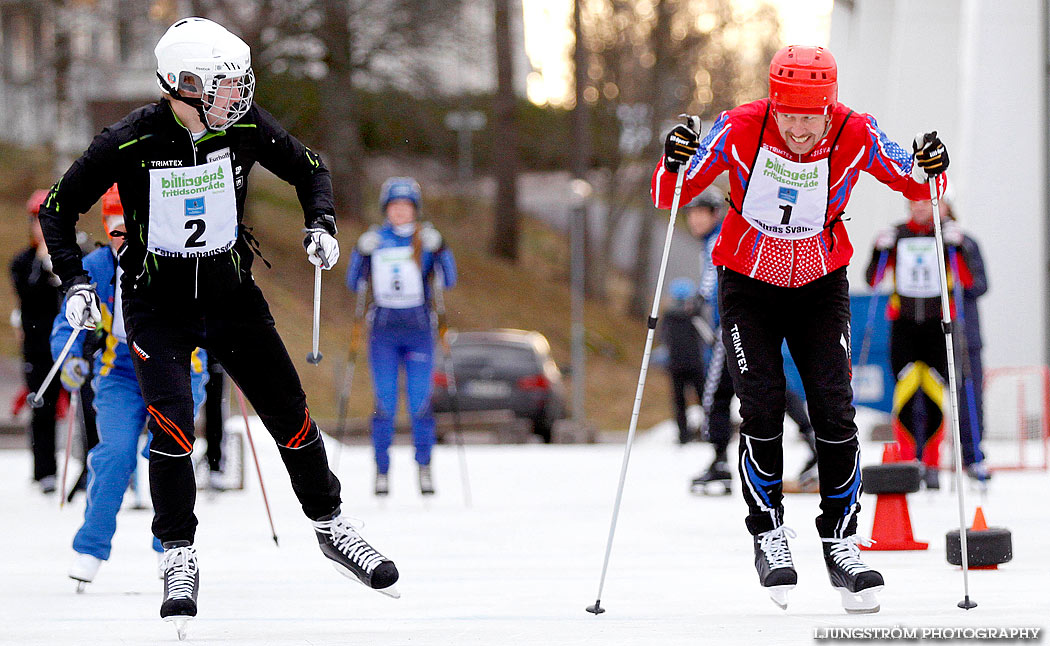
{"type": "Point", "coordinates": [112, 210]}
{"type": "Point", "coordinates": [35, 200]}
{"type": "Point", "coordinates": [803, 80]}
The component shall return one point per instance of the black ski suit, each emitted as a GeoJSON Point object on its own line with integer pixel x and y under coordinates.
{"type": "Point", "coordinates": [187, 282]}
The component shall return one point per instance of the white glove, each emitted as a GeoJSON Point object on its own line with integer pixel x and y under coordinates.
{"type": "Point", "coordinates": [886, 239]}
{"type": "Point", "coordinates": [322, 248]}
{"type": "Point", "coordinates": [951, 233]}
{"type": "Point", "coordinates": [82, 309]}
{"type": "Point", "coordinates": [74, 373]}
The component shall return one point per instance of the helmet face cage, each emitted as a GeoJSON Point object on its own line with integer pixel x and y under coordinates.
{"type": "Point", "coordinates": [203, 65]}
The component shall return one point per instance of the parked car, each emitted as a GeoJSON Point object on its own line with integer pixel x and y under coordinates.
{"type": "Point", "coordinates": [502, 370]}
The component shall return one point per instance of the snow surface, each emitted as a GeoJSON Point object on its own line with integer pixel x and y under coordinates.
{"type": "Point", "coordinates": [518, 567]}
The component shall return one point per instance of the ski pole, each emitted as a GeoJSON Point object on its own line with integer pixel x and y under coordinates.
{"type": "Point", "coordinates": [74, 399]}
{"type": "Point", "coordinates": [356, 332]}
{"type": "Point", "coordinates": [953, 394]}
{"type": "Point", "coordinates": [36, 399]}
{"type": "Point", "coordinates": [865, 344]}
{"type": "Point", "coordinates": [255, 457]}
{"type": "Point", "coordinates": [315, 356]}
{"type": "Point", "coordinates": [597, 607]}
{"type": "Point", "coordinates": [450, 373]}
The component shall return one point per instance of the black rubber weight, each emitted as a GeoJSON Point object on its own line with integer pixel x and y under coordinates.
{"type": "Point", "coordinates": [990, 546]}
{"type": "Point", "coordinates": [896, 477]}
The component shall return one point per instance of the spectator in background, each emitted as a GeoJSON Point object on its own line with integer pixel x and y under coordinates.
{"type": "Point", "coordinates": [680, 332]}
{"type": "Point", "coordinates": [39, 299]}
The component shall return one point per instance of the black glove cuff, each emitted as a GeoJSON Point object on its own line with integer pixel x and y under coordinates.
{"type": "Point", "coordinates": [79, 279]}
{"type": "Point", "coordinates": [670, 165]}
{"type": "Point", "coordinates": [324, 221]}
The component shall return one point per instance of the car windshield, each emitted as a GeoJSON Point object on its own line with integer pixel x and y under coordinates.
{"type": "Point", "coordinates": [516, 357]}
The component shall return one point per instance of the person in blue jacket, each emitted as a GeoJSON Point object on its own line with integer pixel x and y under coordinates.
{"type": "Point", "coordinates": [121, 413]}
{"type": "Point", "coordinates": [400, 259]}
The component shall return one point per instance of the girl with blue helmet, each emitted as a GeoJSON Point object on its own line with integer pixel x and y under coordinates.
{"type": "Point", "coordinates": [400, 259]}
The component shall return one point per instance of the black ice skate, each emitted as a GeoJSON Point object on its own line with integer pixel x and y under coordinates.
{"type": "Point", "coordinates": [353, 557]}
{"type": "Point", "coordinates": [858, 584]}
{"type": "Point", "coordinates": [382, 484]}
{"type": "Point", "coordinates": [715, 480]}
{"type": "Point", "coordinates": [776, 570]}
{"type": "Point", "coordinates": [181, 582]}
{"type": "Point", "coordinates": [426, 480]}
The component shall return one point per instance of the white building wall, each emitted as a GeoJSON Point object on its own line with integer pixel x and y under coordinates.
{"type": "Point", "coordinates": [971, 70]}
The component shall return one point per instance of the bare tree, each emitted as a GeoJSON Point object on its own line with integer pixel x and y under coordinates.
{"type": "Point", "coordinates": [506, 230]}
{"type": "Point", "coordinates": [345, 45]}
{"type": "Point", "coordinates": [650, 61]}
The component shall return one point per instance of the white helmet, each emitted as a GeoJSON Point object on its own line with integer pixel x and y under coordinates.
{"type": "Point", "coordinates": [202, 64]}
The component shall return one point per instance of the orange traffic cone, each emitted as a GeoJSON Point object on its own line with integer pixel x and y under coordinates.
{"type": "Point", "coordinates": [979, 523]}
{"type": "Point", "coordinates": [892, 527]}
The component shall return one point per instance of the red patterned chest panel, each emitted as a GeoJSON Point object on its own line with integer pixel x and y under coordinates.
{"type": "Point", "coordinates": [787, 263]}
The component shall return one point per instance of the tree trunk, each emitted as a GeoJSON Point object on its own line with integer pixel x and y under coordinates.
{"type": "Point", "coordinates": [342, 141]}
{"type": "Point", "coordinates": [505, 234]}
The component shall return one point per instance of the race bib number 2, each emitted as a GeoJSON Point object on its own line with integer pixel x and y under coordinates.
{"type": "Point", "coordinates": [192, 211]}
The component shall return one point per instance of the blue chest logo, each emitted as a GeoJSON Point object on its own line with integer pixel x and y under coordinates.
{"type": "Point", "coordinates": [788, 194]}
{"type": "Point", "coordinates": [195, 205]}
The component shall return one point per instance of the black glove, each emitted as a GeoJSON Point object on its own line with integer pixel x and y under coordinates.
{"type": "Point", "coordinates": [930, 154]}
{"type": "Point", "coordinates": [681, 144]}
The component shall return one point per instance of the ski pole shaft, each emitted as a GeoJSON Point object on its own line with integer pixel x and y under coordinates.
{"type": "Point", "coordinates": [315, 355]}
{"type": "Point", "coordinates": [953, 393]}
{"type": "Point", "coordinates": [596, 608]}
{"type": "Point", "coordinates": [450, 374]}
{"type": "Point", "coordinates": [865, 345]}
{"type": "Point", "coordinates": [351, 364]}
{"type": "Point", "coordinates": [36, 399]}
{"type": "Point", "coordinates": [255, 458]}
{"type": "Point", "coordinates": [74, 399]}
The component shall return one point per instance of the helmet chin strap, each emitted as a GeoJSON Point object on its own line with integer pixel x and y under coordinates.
{"type": "Point", "coordinates": [197, 104]}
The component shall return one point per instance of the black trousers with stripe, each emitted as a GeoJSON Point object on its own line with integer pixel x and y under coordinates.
{"type": "Point", "coordinates": [237, 329]}
{"type": "Point", "coordinates": [814, 319]}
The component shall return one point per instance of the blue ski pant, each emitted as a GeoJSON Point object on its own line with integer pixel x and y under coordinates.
{"type": "Point", "coordinates": [121, 416]}
{"type": "Point", "coordinates": [389, 349]}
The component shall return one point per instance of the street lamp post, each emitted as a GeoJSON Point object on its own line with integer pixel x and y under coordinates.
{"type": "Point", "coordinates": [465, 122]}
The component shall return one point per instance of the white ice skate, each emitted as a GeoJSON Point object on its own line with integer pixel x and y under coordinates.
{"type": "Point", "coordinates": [83, 570]}
{"type": "Point", "coordinates": [858, 584]}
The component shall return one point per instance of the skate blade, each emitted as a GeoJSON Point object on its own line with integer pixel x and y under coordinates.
{"type": "Point", "coordinates": [180, 622]}
{"type": "Point", "coordinates": [711, 489]}
{"type": "Point", "coordinates": [390, 591]}
{"type": "Point", "coordinates": [864, 602]}
{"type": "Point", "coordinates": [81, 585]}
{"type": "Point", "coordinates": [779, 595]}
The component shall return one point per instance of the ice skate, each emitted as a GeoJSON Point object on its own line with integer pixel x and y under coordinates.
{"type": "Point", "coordinates": [48, 484]}
{"type": "Point", "coordinates": [382, 484]}
{"type": "Point", "coordinates": [83, 570]}
{"type": "Point", "coordinates": [353, 557]}
{"type": "Point", "coordinates": [858, 584]}
{"type": "Point", "coordinates": [716, 480]}
{"type": "Point", "coordinates": [426, 480]}
{"type": "Point", "coordinates": [930, 479]}
{"type": "Point", "coordinates": [181, 582]}
{"type": "Point", "coordinates": [776, 570]}
{"type": "Point", "coordinates": [808, 480]}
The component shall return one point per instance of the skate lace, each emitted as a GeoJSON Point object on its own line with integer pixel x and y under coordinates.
{"type": "Point", "coordinates": [775, 546]}
{"type": "Point", "coordinates": [845, 552]}
{"type": "Point", "coordinates": [345, 538]}
{"type": "Point", "coordinates": [180, 570]}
